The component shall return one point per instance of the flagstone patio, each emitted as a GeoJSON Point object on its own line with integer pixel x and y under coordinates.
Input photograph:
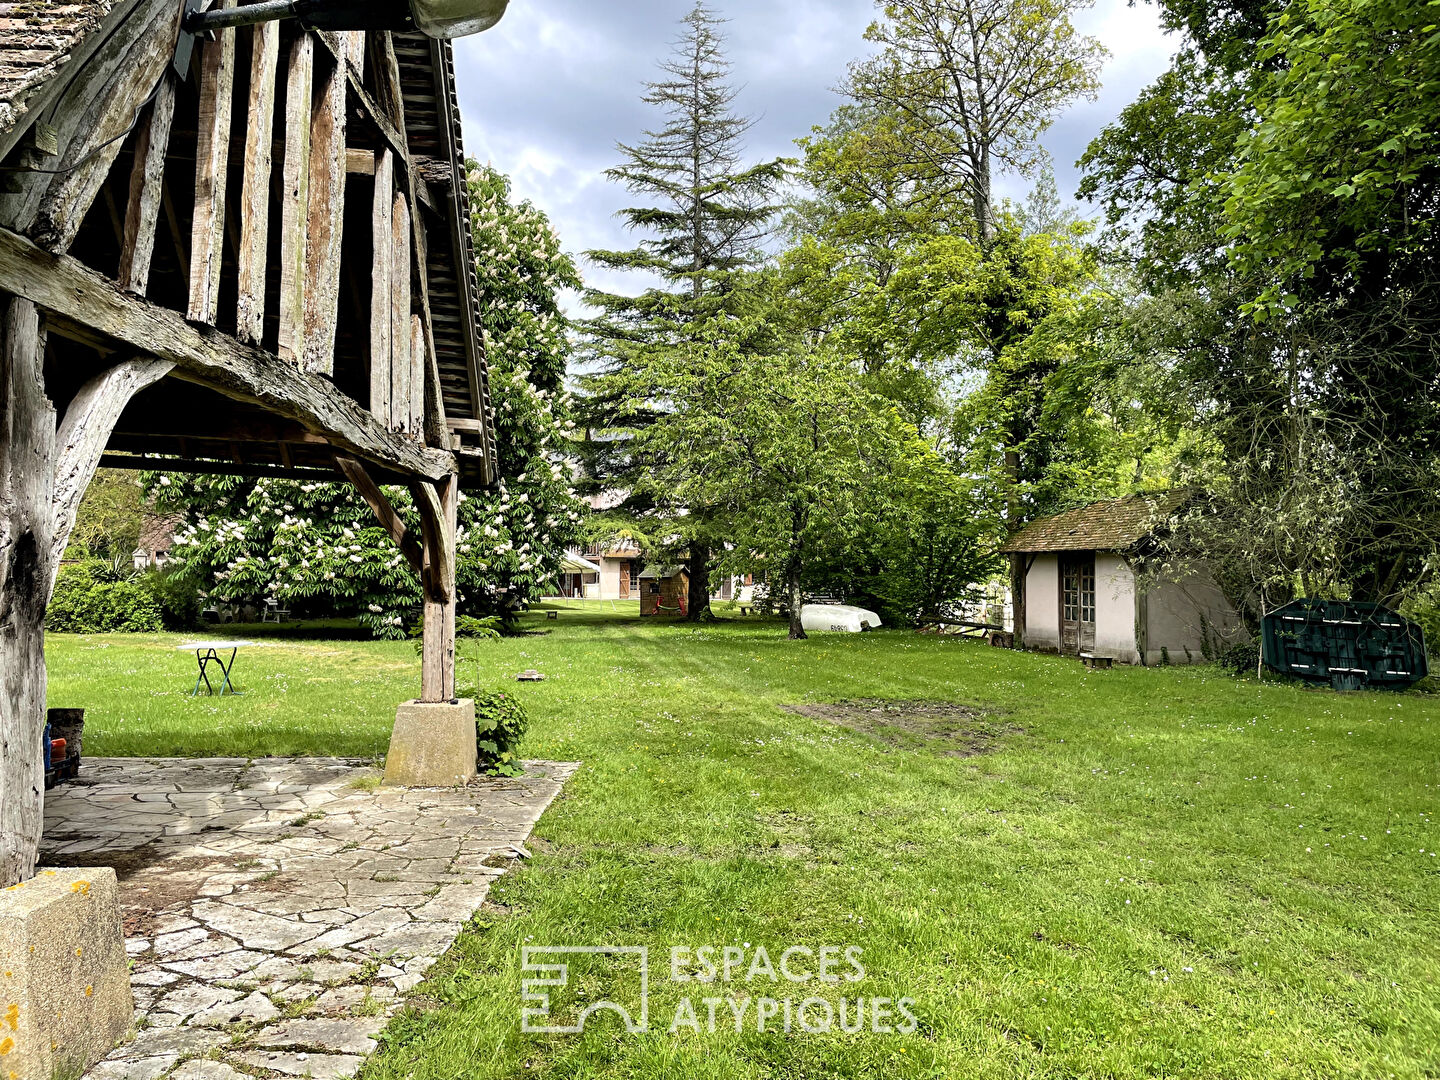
{"type": "Point", "coordinates": [278, 911]}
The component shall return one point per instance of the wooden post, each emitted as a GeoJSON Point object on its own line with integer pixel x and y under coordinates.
{"type": "Point", "coordinates": [255, 193]}
{"type": "Point", "coordinates": [327, 220]}
{"type": "Point", "coordinates": [147, 183]}
{"type": "Point", "coordinates": [416, 424]}
{"type": "Point", "coordinates": [370, 491]}
{"type": "Point", "coordinates": [295, 202]}
{"type": "Point", "coordinates": [212, 157]}
{"type": "Point", "coordinates": [382, 219]}
{"type": "Point", "coordinates": [400, 316]}
{"type": "Point", "coordinates": [27, 445]}
{"type": "Point", "coordinates": [439, 505]}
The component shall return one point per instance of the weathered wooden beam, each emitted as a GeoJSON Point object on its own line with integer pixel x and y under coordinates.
{"type": "Point", "coordinates": [89, 420]}
{"type": "Point", "coordinates": [400, 315]}
{"type": "Point", "coordinates": [359, 162]}
{"type": "Point", "coordinates": [209, 358]}
{"type": "Point", "coordinates": [438, 505]}
{"type": "Point", "coordinates": [98, 104]}
{"type": "Point", "coordinates": [27, 444]}
{"type": "Point", "coordinates": [388, 118]}
{"type": "Point", "coordinates": [384, 510]}
{"type": "Point", "coordinates": [387, 107]}
{"type": "Point", "coordinates": [38, 99]}
{"type": "Point", "coordinates": [147, 185]}
{"type": "Point", "coordinates": [212, 160]}
{"type": "Point", "coordinates": [382, 272]}
{"type": "Point", "coordinates": [433, 395]}
{"type": "Point", "coordinates": [468, 427]}
{"type": "Point", "coordinates": [295, 216]}
{"type": "Point", "coordinates": [416, 421]}
{"type": "Point", "coordinates": [214, 468]}
{"type": "Point", "coordinates": [327, 220]}
{"type": "Point", "coordinates": [255, 191]}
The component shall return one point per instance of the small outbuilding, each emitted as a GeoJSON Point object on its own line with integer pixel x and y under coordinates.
{"type": "Point", "coordinates": [1086, 590]}
{"type": "Point", "coordinates": [664, 590]}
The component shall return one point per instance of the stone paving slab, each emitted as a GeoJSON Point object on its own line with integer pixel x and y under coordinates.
{"type": "Point", "coordinates": [277, 911]}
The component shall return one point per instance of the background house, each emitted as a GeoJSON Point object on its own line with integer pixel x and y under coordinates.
{"type": "Point", "coordinates": [157, 537]}
{"type": "Point", "coordinates": [1084, 593]}
{"type": "Point", "coordinates": [608, 570]}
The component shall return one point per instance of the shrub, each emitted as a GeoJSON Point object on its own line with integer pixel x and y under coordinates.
{"type": "Point", "coordinates": [500, 721]}
{"type": "Point", "coordinates": [1241, 657]}
{"type": "Point", "coordinates": [487, 629]}
{"type": "Point", "coordinates": [89, 599]}
{"type": "Point", "coordinates": [178, 596]}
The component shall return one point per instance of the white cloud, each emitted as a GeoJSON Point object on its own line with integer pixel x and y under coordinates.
{"type": "Point", "coordinates": [548, 93]}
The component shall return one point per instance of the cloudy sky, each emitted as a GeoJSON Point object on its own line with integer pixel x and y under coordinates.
{"type": "Point", "coordinates": [548, 93]}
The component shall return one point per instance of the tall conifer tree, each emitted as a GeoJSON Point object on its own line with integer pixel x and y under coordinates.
{"type": "Point", "coordinates": [702, 218]}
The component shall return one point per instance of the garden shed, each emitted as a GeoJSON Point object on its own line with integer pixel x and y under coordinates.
{"type": "Point", "coordinates": [1087, 591]}
{"type": "Point", "coordinates": [664, 590]}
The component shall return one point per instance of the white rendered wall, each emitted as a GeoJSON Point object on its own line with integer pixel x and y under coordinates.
{"type": "Point", "coordinates": [1042, 604]}
{"type": "Point", "coordinates": [1115, 609]}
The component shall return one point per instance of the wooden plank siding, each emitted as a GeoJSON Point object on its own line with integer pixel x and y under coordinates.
{"type": "Point", "coordinates": [255, 191]}
{"type": "Point", "coordinates": [212, 160]}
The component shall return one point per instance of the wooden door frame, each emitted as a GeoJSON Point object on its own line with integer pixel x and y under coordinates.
{"type": "Point", "coordinates": [1060, 561]}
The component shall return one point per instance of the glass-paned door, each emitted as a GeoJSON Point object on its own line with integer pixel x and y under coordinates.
{"type": "Point", "coordinates": [1077, 603]}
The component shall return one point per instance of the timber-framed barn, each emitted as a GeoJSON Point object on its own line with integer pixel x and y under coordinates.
{"type": "Point", "coordinates": [251, 256]}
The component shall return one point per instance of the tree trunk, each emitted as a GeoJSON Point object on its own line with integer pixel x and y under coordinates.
{"type": "Point", "coordinates": [1017, 596]}
{"type": "Point", "coordinates": [1013, 511]}
{"type": "Point", "coordinates": [697, 568]}
{"type": "Point", "coordinates": [27, 466]}
{"type": "Point", "coordinates": [792, 576]}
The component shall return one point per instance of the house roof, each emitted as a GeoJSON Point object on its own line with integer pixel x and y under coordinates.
{"type": "Point", "coordinates": [157, 532]}
{"type": "Point", "coordinates": [37, 38]}
{"type": "Point", "coordinates": [1108, 525]}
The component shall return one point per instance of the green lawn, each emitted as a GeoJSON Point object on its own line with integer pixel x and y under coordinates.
{"type": "Point", "coordinates": [1150, 873]}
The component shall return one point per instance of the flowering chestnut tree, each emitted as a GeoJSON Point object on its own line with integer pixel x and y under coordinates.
{"type": "Point", "coordinates": [296, 541]}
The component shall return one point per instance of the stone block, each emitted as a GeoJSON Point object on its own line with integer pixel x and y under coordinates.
{"type": "Point", "coordinates": [432, 745]}
{"type": "Point", "coordinates": [64, 977]}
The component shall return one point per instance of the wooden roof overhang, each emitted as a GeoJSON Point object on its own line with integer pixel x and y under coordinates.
{"type": "Point", "coordinates": [319, 301]}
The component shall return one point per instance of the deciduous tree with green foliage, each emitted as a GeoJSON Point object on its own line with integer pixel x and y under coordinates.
{"type": "Point", "coordinates": [785, 443]}
{"type": "Point", "coordinates": [319, 544]}
{"type": "Point", "coordinates": [1281, 182]}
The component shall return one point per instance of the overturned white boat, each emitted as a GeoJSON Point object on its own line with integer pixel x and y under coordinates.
{"type": "Point", "coordinates": [837, 618]}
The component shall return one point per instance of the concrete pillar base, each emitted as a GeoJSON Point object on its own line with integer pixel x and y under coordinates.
{"type": "Point", "coordinates": [432, 745]}
{"type": "Point", "coordinates": [64, 978]}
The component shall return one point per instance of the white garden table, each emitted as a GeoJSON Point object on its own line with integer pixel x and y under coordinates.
{"type": "Point", "coordinates": [207, 653]}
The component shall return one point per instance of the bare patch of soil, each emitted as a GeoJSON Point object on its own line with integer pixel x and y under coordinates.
{"type": "Point", "coordinates": [955, 730]}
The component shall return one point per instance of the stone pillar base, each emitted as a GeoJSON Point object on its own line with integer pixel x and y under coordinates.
{"type": "Point", "coordinates": [432, 745]}
{"type": "Point", "coordinates": [64, 978]}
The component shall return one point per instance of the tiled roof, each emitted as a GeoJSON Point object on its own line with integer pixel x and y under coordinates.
{"type": "Point", "coordinates": [36, 39]}
{"type": "Point", "coordinates": [1109, 525]}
